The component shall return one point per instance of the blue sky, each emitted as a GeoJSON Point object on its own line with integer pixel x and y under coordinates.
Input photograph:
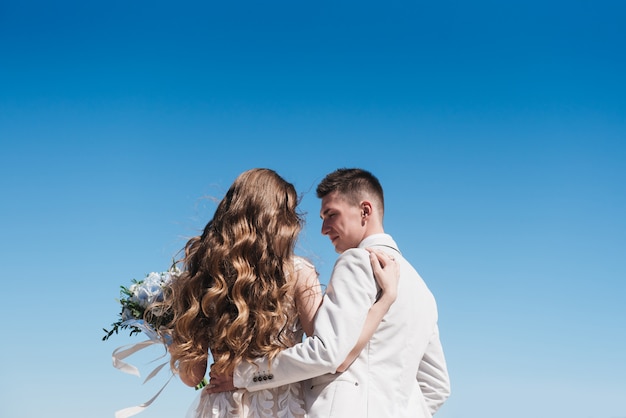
{"type": "Point", "coordinates": [498, 131]}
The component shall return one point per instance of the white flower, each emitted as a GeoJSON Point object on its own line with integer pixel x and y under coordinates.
{"type": "Point", "coordinates": [150, 289]}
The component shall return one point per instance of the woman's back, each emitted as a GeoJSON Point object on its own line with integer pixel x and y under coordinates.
{"type": "Point", "coordinates": [284, 401]}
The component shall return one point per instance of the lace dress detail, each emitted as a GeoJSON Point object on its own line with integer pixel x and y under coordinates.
{"type": "Point", "coordinates": [282, 402]}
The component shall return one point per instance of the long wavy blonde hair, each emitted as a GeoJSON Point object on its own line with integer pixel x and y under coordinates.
{"type": "Point", "coordinates": [234, 297]}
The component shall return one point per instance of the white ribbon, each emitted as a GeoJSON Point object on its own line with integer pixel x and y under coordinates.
{"type": "Point", "coordinates": [134, 410]}
{"type": "Point", "coordinates": [120, 353]}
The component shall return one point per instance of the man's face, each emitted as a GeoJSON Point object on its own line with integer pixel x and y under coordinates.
{"type": "Point", "coordinates": [342, 222]}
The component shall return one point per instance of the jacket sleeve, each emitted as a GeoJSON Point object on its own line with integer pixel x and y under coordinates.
{"type": "Point", "coordinates": [351, 292]}
{"type": "Point", "coordinates": [432, 375]}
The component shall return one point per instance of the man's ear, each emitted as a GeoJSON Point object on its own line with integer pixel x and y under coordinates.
{"type": "Point", "coordinates": [366, 208]}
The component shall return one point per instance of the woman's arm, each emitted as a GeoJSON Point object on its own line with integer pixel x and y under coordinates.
{"type": "Point", "coordinates": [387, 273]}
{"type": "Point", "coordinates": [190, 373]}
{"type": "Point", "coordinates": [308, 295]}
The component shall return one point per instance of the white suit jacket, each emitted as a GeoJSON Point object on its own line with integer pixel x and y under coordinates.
{"type": "Point", "coordinates": [401, 372]}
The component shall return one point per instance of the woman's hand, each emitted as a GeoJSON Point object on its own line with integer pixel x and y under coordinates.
{"type": "Point", "coordinates": [219, 383]}
{"type": "Point", "coordinates": [386, 272]}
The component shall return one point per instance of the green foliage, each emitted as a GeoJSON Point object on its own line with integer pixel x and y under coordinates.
{"type": "Point", "coordinates": [132, 307]}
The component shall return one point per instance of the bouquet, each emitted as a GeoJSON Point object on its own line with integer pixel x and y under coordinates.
{"type": "Point", "coordinates": [136, 299]}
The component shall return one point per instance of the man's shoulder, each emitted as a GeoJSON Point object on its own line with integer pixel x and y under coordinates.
{"type": "Point", "coordinates": [353, 255]}
{"type": "Point", "coordinates": [353, 268]}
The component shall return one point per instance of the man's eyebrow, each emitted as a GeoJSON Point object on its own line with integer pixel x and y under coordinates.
{"type": "Point", "coordinates": [325, 212]}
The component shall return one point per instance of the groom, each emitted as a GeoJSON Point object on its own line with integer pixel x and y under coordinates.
{"type": "Point", "coordinates": [402, 370]}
